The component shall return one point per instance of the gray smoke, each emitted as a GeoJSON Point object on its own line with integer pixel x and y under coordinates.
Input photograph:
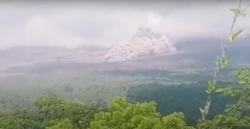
{"type": "Point", "coordinates": [144, 43]}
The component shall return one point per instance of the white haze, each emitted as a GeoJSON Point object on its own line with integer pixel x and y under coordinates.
{"type": "Point", "coordinates": [72, 24]}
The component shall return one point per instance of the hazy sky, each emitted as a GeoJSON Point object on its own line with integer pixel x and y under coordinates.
{"type": "Point", "coordinates": [73, 23]}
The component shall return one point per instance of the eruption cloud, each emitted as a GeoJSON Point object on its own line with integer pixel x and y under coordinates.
{"type": "Point", "coordinates": [144, 43]}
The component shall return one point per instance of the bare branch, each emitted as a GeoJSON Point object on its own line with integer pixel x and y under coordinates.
{"type": "Point", "coordinates": [234, 20]}
{"type": "Point", "coordinates": [246, 7]}
{"type": "Point", "coordinates": [222, 43]}
{"type": "Point", "coordinates": [231, 55]}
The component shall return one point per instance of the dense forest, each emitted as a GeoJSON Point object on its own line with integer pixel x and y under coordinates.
{"type": "Point", "coordinates": [61, 101]}
{"type": "Point", "coordinates": [136, 99]}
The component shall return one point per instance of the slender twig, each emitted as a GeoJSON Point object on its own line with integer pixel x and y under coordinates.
{"type": "Point", "coordinates": [217, 67]}
{"type": "Point", "coordinates": [246, 7]}
{"type": "Point", "coordinates": [231, 55]}
{"type": "Point", "coordinates": [227, 41]}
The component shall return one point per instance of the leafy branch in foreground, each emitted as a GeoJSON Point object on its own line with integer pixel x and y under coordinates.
{"type": "Point", "coordinates": [221, 62]}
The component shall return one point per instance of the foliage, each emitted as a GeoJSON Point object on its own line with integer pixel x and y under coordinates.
{"type": "Point", "coordinates": [220, 63]}
{"type": "Point", "coordinates": [235, 115]}
{"type": "Point", "coordinates": [54, 108]}
{"type": "Point", "coordinates": [124, 115]}
{"type": "Point", "coordinates": [62, 124]}
{"type": "Point", "coordinates": [222, 121]}
{"type": "Point", "coordinates": [50, 112]}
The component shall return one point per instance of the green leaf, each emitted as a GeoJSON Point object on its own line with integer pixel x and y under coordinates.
{"type": "Point", "coordinates": [227, 109]}
{"type": "Point", "coordinates": [243, 14]}
{"type": "Point", "coordinates": [236, 11]}
{"type": "Point", "coordinates": [210, 86]}
{"type": "Point", "coordinates": [232, 36]}
{"type": "Point", "coordinates": [220, 90]}
{"type": "Point", "coordinates": [223, 61]}
{"type": "Point", "coordinates": [239, 12]}
{"type": "Point", "coordinates": [227, 91]}
{"type": "Point", "coordinates": [242, 82]}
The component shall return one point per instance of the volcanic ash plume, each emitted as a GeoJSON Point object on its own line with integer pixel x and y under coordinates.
{"type": "Point", "coordinates": [144, 43]}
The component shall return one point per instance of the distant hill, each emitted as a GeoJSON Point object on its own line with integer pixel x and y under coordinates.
{"type": "Point", "coordinates": [194, 53]}
{"type": "Point", "coordinates": [21, 56]}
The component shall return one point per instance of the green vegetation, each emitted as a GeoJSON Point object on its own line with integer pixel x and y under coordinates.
{"type": "Point", "coordinates": [127, 100]}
